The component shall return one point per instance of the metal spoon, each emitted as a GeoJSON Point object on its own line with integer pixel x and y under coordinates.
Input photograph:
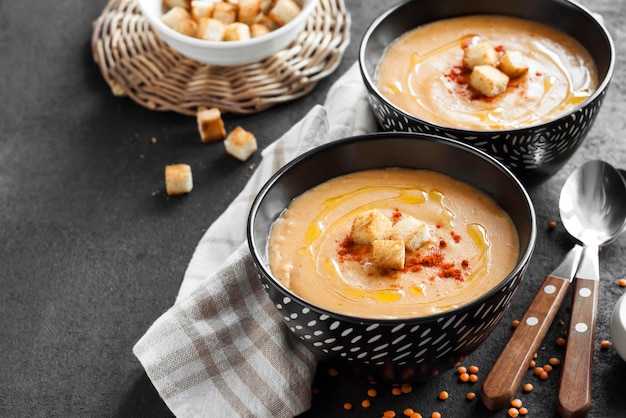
{"type": "Point", "coordinates": [505, 377]}
{"type": "Point", "coordinates": [593, 210]}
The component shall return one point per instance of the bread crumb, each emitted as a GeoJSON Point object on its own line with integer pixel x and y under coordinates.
{"type": "Point", "coordinates": [513, 64]}
{"type": "Point", "coordinates": [174, 15]}
{"type": "Point", "coordinates": [236, 31]}
{"type": "Point", "coordinates": [210, 124]}
{"type": "Point", "coordinates": [284, 11]}
{"type": "Point", "coordinates": [388, 254]}
{"type": "Point", "coordinates": [369, 226]}
{"type": "Point", "coordinates": [413, 232]}
{"type": "Point", "coordinates": [482, 53]}
{"type": "Point", "coordinates": [178, 179]}
{"type": "Point", "coordinates": [211, 29]}
{"type": "Point", "coordinates": [240, 143]}
{"type": "Point", "coordinates": [488, 80]}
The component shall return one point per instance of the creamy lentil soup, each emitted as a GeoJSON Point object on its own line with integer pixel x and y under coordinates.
{"type": "Point", "coordinates": [473, 245]}
{"type": "Point", "coordinates": [423, 74]}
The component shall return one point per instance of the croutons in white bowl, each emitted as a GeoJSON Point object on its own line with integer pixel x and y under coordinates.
{"type": "Point", "coordinates": [226, 52]}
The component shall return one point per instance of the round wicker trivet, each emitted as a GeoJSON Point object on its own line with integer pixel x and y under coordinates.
{"type": "Point", "coordinates": [135, 62]}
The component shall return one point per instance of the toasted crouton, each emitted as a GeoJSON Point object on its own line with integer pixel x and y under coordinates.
{"type": "Point", "coordinates": [258, 29]}
{"type": "Point", "coordinates": [270, 23]}
{"type": "Point", "coordinates": [236, 31]}
{"type": "Point", "coordinates": [174, 15]}
{"type": "Point", "coordinates": [488, 80]}
{"type": "Point", "coordinates": [250, 11]}
{"type": "Point", "coordinates": [240, 143]}
{"type": "Point", "coordinates": [266, 5]}
{"type": "Point", "coordinates": [178, 179]}
{"type": "Point", "coordinates": [413, 232]}
{"type": "Point", "coordinates": [225, 12]}
{"type": "Point", "coordinates": [388, 254]}
{"type": "Point", "coordinates": [187, 27]}
{"type": "Point", "coordinates": [185, 4]}
{"type": "Point", "coordinates": [210, 124]}
{"type": "Point", "coordinates": [211, 29]}
{"type": "Point", "coordinates": [482, 53]}
{"type": "Point", "coordinates": [284, 11]}
{"type": "Point", "coordinates": [200, 9]}
{"type": "Point", "coordinates": [369, 226]}
{"type": "Point", "coordinates": [513, 64]}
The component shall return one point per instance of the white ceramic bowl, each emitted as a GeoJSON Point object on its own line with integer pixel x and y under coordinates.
{"type": "Point", "coordinates": [617, 327]}
{"type": "Point", "coordinates": [226, 53]}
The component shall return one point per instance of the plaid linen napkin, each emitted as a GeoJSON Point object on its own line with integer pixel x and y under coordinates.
{"type": "Point", "coordinates": [222, 349]}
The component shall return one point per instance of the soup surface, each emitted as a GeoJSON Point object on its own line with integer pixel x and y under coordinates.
{"type": "Point", "coordinates": [473, 245]}
{"type": "Point", "coordinates": [422, 73]}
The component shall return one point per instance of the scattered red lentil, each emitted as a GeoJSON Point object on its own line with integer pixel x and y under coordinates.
{"type": "Point", "coordinates": [513, 412]}
{"type": "Point", "coordinates": [515, 323]}
{"type": "Point", "coordinates": [389, 414]}
{"type": "Point", "coordinates": [473, 378]}
{"type": "Point", "coordinates": [552, 224]}
{"type": "Point", "coordinates": [473, 369]}
{"type": "Point", "coordinates": [464, 377]}
{"type": "Point", "coordinates": [408, 412]}
{"type": "Point", "coordinates": [605, 344]}
{"type": "Point", "coordinates": [435, 415]}
{"type": "Point", "coordinates": [622, 282]}
{"type": "Point", "coordinates": [554, 361]}
{"type": "Point", "coordinates": [523, 411]}
{"type": "Point", "coordinates": [532, 364]}
{"type": "Point", "coordinates": [462, 370]}
{"type": "Point", "coordinates": [528, 387]}
{"type": "Point", "coordinates": [443, 395]}
{"type": "Point", "coordinates": [347, 406]}
{"type": "Point", "coordinates": [406, 388]}
{"type": "Point", "coordinates": [372, 392]}
{"type": "Point", "coordinates": [547, 367]}
{"type": "Point", "coordinates": [538, 371]}
{"type": "Point", "coordinates": [516, 403]}
{"type": "Point", "coordinates": [544, 375]}
{"type": "Point", "coordinates": [415, 415]}
{"type": "Point", "coordinates": [365, 403]}
{"type": "Point", "coordinates": [396, 391]}
{"type": "Point", "coordinates": [470, 396]}
{"type": "Point", "coordinates": [333, 372]}
{"type": "Point", "coordinates": [560, 341]}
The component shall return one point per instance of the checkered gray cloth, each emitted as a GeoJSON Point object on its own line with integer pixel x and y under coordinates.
{"type": "Point", "coordinates": [222, 350]}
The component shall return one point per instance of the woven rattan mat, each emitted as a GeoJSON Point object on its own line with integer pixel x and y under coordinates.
{"type": "Point", "coordinates": [136, 63]}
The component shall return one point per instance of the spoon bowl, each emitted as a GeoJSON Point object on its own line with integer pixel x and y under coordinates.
{"type": "Point", "coordinates": [592, 204]}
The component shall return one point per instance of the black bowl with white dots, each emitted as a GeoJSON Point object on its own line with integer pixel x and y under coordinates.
{"type": "Point", "coordinates": [394, 350]}
{"type": "Point", "coordinates": [533, 153]}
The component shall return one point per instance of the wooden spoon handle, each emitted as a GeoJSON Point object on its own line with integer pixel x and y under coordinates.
{"type": "Point", "coordinates": [574, 394]}
{"type": "Point", "coordinates": [504, 379]}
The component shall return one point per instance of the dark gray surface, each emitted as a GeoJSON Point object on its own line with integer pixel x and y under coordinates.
{"type": "Point", "coordinates": [92, 251]}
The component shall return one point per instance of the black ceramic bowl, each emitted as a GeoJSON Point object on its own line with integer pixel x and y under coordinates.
{"type": "Point", "coordinates": [533, 153]}
{"type": "Point", "coordinates": [409, 349]}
